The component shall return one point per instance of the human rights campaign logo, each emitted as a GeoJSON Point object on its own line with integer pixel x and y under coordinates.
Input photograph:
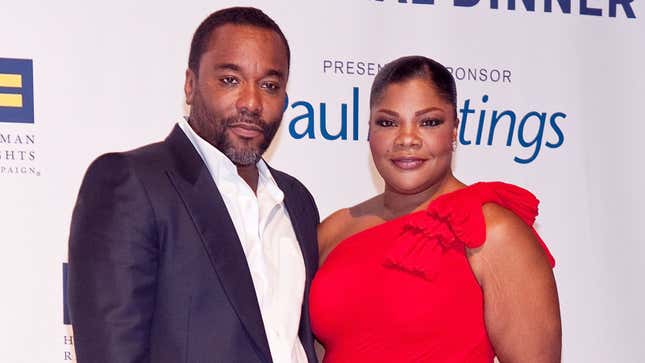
{"type": "Point", "coordinates": [16, 90]}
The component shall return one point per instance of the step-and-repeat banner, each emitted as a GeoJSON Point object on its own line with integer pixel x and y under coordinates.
{"type": "Point", "coordinates": [550, 98]}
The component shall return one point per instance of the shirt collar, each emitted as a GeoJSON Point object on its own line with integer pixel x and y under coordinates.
{"type": "Point", "coordinates": [267, 181]}
{"type": "Point", "coordinates": [222, 169]}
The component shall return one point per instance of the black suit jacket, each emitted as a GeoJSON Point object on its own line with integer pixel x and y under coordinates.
{"type": "Point", "coordinates": [156, 270]}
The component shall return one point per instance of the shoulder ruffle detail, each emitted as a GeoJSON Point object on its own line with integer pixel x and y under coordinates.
{"type": "Point", "coordinates": [455, 221]}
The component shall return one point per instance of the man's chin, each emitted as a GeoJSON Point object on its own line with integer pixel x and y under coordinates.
{"type": "Point", "coordinates": [243, 156]}
{"type": "Point", "coordinates": [243, 151]}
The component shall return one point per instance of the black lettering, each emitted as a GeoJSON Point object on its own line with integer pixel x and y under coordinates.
{"type": "Point", "coordinates": [370, 69]}
{"type": "Point", "coordinates": [483, 75]}
{"type": "Point", "coordinates": [494, 75]}
{"type": "Point", "coordinates": [507, 76]}
{"type": "Point", "coordinates": [472, 74]}
{"type": "Point", "coordinates": [350, 67]}
{"type": "Point", "coordinates": [326, 65]}
{"type": "Point", "coordinates": [460, 73]}
{"type": "Point", "coordinates": [338, 67]}
{"type": "Point", "coordinates": [360, 67]}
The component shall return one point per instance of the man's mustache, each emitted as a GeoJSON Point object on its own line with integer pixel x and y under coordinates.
{"type": "Point", "coordinates": [245, 119]}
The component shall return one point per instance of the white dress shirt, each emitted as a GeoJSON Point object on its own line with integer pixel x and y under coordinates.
{"type": "Point", "coordinates": [269, 243]}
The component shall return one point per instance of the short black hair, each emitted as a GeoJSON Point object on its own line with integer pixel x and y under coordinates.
{"type": "Point", "coordinates": [235, 15]}
{"type": "Point", "coordinates": [411, 67]}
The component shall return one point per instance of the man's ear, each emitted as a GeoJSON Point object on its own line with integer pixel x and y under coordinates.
{"type": "Point", "coordinates": [190, 86]}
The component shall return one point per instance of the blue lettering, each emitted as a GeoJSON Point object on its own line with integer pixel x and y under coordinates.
{"type": "Point", "coordinates": [586, 10]}
{"type": "Point", "coordinates": [303, 125]}
{"type": "Point", "coordinates": [626, 4]}
{"type": "Point", "coordinates": [493, 125]}
{"type": "Point", "coordinates": [466, 3]}
{"type": "Point", "coordinates": [537, 140]}
{"type": "Point", "coordinates": [298, 131]}
{"type": "Point", "coordinates": [309, 130]}
{"type": "Point", "coordinates": [415, 1]}
{"type": "Point", "coordinates": [482, 115]}
{"type": "Point", "coordinates": [528, 4]}
{"type": "Point", "coordinates": [342, 134]}
{"type": "Point", "coordinates": [565, 6]}
{"type": "Point", "coordinates": [557, 130]}
{"type": "Point", "coordinates": [464, 119]}
{"type": "Point", "coordinates": [355, 113]}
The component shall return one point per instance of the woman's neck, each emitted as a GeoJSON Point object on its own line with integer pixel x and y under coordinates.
{"type": "Point", "coordinates": [396, 204]}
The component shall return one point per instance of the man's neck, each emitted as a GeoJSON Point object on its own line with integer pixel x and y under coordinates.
{"type": "Point", "coordinates": [250, 175]}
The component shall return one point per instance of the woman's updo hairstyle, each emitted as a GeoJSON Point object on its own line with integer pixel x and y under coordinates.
{"type": "Point", "coordinates": [412, 67]}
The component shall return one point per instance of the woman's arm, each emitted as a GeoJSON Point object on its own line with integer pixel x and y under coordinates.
{"type": "Point", "coordinates": [521, 308]}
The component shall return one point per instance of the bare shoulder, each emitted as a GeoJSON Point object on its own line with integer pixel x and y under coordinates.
{"type": "Point", "coordinates": [501, 224]}
{"type": "Point", "coordinates": [510, 245]}
{"type": "Point", "coordinates": [344, 223]}
{"type": "Point", "coordinates": [331, 227]}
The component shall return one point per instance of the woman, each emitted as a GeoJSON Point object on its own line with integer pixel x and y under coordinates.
{"type": "Point", "coordinates": [432, 270]}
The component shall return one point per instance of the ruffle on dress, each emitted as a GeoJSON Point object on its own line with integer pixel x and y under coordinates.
{"type": "Point", "coordinates": [456, 220]}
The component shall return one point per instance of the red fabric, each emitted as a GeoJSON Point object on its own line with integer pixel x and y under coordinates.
{"type": "Point", "coordinates": [403, 291]}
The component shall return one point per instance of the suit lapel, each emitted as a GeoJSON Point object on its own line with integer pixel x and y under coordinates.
{"type": "Point", "coordinates": [221, 242]}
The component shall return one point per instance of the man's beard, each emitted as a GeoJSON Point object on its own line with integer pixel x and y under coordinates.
{"type": "Point", "coordinates": [212, 128]}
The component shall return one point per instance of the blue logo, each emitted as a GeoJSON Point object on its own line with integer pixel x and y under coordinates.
{"type": "Point", "coordinates": [66, 319]}
{"type": "Point", "coordinates": [528, 128]}
{"type": "Point", "coordinates": [16, 90]}
{"type": "Point", "coordinates": [479, 126]}
{"type": "Point", "coordinates": [307, 118]}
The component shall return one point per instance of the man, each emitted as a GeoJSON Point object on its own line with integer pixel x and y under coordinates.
{"type": "Point", "coordinates": [193, 249]}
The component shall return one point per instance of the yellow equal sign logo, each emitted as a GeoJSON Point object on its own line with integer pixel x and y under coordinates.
{"type": "Point", "coordinates": [16, 90]}
{"type": "Point", "coordinates": [12, 81]}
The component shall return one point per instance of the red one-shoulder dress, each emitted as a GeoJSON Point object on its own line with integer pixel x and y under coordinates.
{"type": "Point", "coordinates": [403, 291]}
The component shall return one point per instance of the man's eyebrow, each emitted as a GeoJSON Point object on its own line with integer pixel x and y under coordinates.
{"type": "Point", "coordinates": [234, 67]}
{"type": "Point", "coordinates": [275, 73]}
{"type": "Point", "coordinates": [228, 66]}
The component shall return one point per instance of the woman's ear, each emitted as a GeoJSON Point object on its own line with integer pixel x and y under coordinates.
{"type": "Point", "coordinates": [455, 129]}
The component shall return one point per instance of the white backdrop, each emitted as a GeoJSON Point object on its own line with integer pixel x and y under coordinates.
{"type": "Point", "coordinates": [109, 76]}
